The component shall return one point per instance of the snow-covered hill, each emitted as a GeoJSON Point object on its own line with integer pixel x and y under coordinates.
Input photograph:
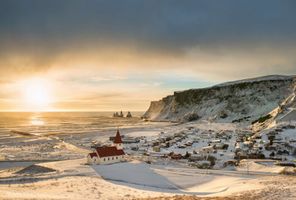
{"type": "Point", "coordinates": [244, 100]}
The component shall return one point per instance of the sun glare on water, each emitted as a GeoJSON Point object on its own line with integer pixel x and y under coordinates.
{"type": "Point", "coordinates": [37, 94]}
{"type": "Point", "coordinates": [37, 122]}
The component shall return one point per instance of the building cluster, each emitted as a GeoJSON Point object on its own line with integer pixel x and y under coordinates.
{"type": "Point", "coordinates": [277, 144]}
{"type": "Point", "coordinates": [193, 145]}
{"type": "Point", "coordinates": [202, 148]}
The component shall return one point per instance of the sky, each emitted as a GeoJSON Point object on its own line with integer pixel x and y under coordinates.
{"type": "Point", "coordinates": [106, 55]}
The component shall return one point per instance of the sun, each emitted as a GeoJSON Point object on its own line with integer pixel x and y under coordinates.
{"type": "Point", "coordinates": [37, 94]}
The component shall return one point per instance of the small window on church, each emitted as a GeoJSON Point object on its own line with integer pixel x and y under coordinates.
{"type": "Point", "coordinates": [116, 157]}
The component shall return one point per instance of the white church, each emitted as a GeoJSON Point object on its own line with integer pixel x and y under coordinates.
{"type": "Point", "coordinates": [108, 154]}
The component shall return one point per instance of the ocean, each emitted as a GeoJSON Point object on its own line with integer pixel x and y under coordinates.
{"type": "Point", "coordinates": [64, 122]}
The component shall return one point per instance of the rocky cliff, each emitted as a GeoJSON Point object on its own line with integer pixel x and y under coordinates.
{"type": "Point", "coordinates": [245, 100]}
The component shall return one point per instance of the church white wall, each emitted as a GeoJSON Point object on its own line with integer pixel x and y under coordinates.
{"type": "Point", "coordinates": [110, 160]}
{"type": "Point", "coordinates": [119, 146]}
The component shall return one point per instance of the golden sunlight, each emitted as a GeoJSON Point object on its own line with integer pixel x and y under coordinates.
{"type": "Point", "coordinates": [37, 122]}
{"type": "Point", "coordinates": [37, 94]}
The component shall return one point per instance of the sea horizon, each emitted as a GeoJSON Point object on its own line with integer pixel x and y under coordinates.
{"type": "Point", "coordinates": [64, 122]}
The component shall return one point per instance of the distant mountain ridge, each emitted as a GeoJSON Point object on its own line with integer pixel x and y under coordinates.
{"type": "Point", "coordinates": [235, 101]}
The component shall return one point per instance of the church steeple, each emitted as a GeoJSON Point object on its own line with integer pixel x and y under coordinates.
{"type": "Point", "coordinates": [117, 140]}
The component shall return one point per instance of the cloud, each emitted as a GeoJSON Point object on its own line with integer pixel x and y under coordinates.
{"type": "Point", "coordinates": [37, 36]}
{"type": "Point", "coordinates": [106, 45]}
{"type": "Point", "coordinates": [107, 78]}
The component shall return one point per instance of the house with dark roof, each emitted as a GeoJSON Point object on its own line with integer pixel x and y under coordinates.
{"type": "Point", "coordinates": [108, 154]}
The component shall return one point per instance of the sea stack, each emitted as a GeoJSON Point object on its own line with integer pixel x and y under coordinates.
{"type": "Point", "coordinates": [129, 115]}
{"type": "Point", "coordinates": [116, 114]}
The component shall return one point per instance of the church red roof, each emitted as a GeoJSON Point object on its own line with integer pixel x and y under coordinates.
{"type": "Point", "coordinates": [93, 155]}
{"type": "Point", "coordinates": [109, 151]}
{"type": "Point", "coordinates": [117, 139]}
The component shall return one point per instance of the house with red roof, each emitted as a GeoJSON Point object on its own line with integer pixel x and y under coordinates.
{"type": "Point", "coordinates": [108, 154]}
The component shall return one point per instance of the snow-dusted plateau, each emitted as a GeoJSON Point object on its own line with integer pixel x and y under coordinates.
{"type": "Point", "coordinates": [235, 140]}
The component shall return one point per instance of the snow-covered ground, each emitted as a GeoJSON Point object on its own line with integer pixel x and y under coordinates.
{"type": "Point", "coordinates": [172, 179]}
{"type": "Point", "coordinates": [71, 178]}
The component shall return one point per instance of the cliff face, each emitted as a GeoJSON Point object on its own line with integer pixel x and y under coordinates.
{"type": "Point", "coordinates": [245, 100]}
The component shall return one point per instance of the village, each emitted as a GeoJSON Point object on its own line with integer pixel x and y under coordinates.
{"type": "Point", "coordinates": [198, 148]}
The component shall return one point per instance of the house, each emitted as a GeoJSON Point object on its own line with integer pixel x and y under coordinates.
{"type": "Point", "coordinates": [156, 148]}
{"type": "Point", "coordinates": [196, 157]}
{"type": "Point", "coordinates": [129, 140]}
{"type": "Point", "coordinates": [205, 151]}
{"type": "Point", "coordinates": [215, 141]}
{"type": "Point", "coordinates": [107, 154]}
{"type": "Point", "coordinates": [176, 156]}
